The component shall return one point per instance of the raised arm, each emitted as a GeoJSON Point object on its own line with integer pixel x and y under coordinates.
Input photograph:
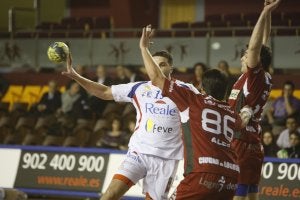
{"type": "Point", "coordinates": [99, 90]}
{"type": "Point", "coordinates": [257, 37]}
{"type": "Point", "coordinates": [267, 28]}
{"type": "Point", "coordinates": [153, 70]}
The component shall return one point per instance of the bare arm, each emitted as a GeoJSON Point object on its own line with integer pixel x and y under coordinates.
{"type": "Point", "coordinates": [256, 39]}
{"type": "Point", "coordinates": [267, 29]}
{"type": "Point", "coordinates": [154, 72]}
{"type": "Point", "coordinates": [99, 90]}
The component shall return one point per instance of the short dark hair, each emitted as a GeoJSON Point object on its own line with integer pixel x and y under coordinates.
{"type": "Point", "coordinates": [289, 83]}
{"type": "Point", "coordinates": [265, 56]}
{"type": "Point", "coordinates": [215, 83]}
{"type": "Point", "coordinates": [164, 54]}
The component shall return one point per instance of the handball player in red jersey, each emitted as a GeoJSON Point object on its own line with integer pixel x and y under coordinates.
{"type": "Point", "coordinates": [210, 168]}
{"type": "Point", "coordinates": [252, 88]}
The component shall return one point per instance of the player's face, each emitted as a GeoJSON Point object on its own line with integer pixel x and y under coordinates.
{"type": "Point", "coordinates": [162, 62]}
{"type": "Point", "coordinates": [244, 62]}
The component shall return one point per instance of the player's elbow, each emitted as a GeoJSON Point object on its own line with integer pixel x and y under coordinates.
{"type": "Point", "coordinates": [104, 94]}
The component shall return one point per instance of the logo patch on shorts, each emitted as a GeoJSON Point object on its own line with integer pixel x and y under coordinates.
{"type": "Point", "coordinates": [134, 156]}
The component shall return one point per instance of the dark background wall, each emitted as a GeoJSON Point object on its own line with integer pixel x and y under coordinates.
{"type": "Point", "coordinates": [125, 13]}
{"type": "Point", "coordinates": [137, 13]}
{"type": "Point", "coordinates": [234, 6]}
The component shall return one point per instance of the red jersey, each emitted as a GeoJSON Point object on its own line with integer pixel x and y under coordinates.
{"type": "Point", "coordinates": [252, 89]}
{"type": "Point", "coordinates": [208, 133]}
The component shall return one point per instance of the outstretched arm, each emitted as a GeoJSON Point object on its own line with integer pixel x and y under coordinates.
{"type": "Point", "coordinates": [257, 36]}
{"type": "Point", "coordinates": [267, 29]}
{"type": "Point", "coordinates": [96, 89]}
{"type": "Point", "coordinates": [154, 72]}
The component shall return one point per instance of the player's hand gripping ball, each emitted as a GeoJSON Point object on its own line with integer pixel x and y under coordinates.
{"type": "Point", "coordinates": [58, 52]}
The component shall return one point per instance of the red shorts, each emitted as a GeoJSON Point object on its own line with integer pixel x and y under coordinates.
{"type": "Point", "coordinates": [205, 186]}
{"type": "Point", "coordinates": [250, 159]}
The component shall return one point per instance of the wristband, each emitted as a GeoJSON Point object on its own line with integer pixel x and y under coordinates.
{"type": "Point", "coordinates": [249, 111]}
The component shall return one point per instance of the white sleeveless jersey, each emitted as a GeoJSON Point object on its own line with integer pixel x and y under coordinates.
{"type": "Point", "coordinates": [158, 125]}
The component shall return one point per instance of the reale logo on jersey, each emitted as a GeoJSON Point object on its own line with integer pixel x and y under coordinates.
{"type": "Point", "coordinates": [162, 109]}
{"type": "Point", "coordinates": [151, 127]}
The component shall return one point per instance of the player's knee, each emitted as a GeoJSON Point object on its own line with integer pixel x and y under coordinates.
{"type": "Point", "coordinates": [242, 190]}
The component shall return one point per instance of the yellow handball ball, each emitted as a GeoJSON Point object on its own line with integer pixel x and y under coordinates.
{"type": "Point", "coordinates": [58, 52]}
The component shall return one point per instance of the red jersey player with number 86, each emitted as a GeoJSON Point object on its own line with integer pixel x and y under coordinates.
{"type": "Point", "coordinates": [210, 168]}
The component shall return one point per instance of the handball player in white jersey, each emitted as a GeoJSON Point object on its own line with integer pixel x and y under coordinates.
{"type": "Point", "coordinates": [155, 147]}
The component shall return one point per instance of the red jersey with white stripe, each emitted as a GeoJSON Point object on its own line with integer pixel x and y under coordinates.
{"type": "Point", "coordinates": [208, 133]}
{"type": "Point", "coordinates": [252, 89]}
{"type": "Point", "coordinates": [158, 121]}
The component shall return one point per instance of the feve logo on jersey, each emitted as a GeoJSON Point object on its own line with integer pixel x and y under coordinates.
{"type": "Point", "coordinates": [151, 127]}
